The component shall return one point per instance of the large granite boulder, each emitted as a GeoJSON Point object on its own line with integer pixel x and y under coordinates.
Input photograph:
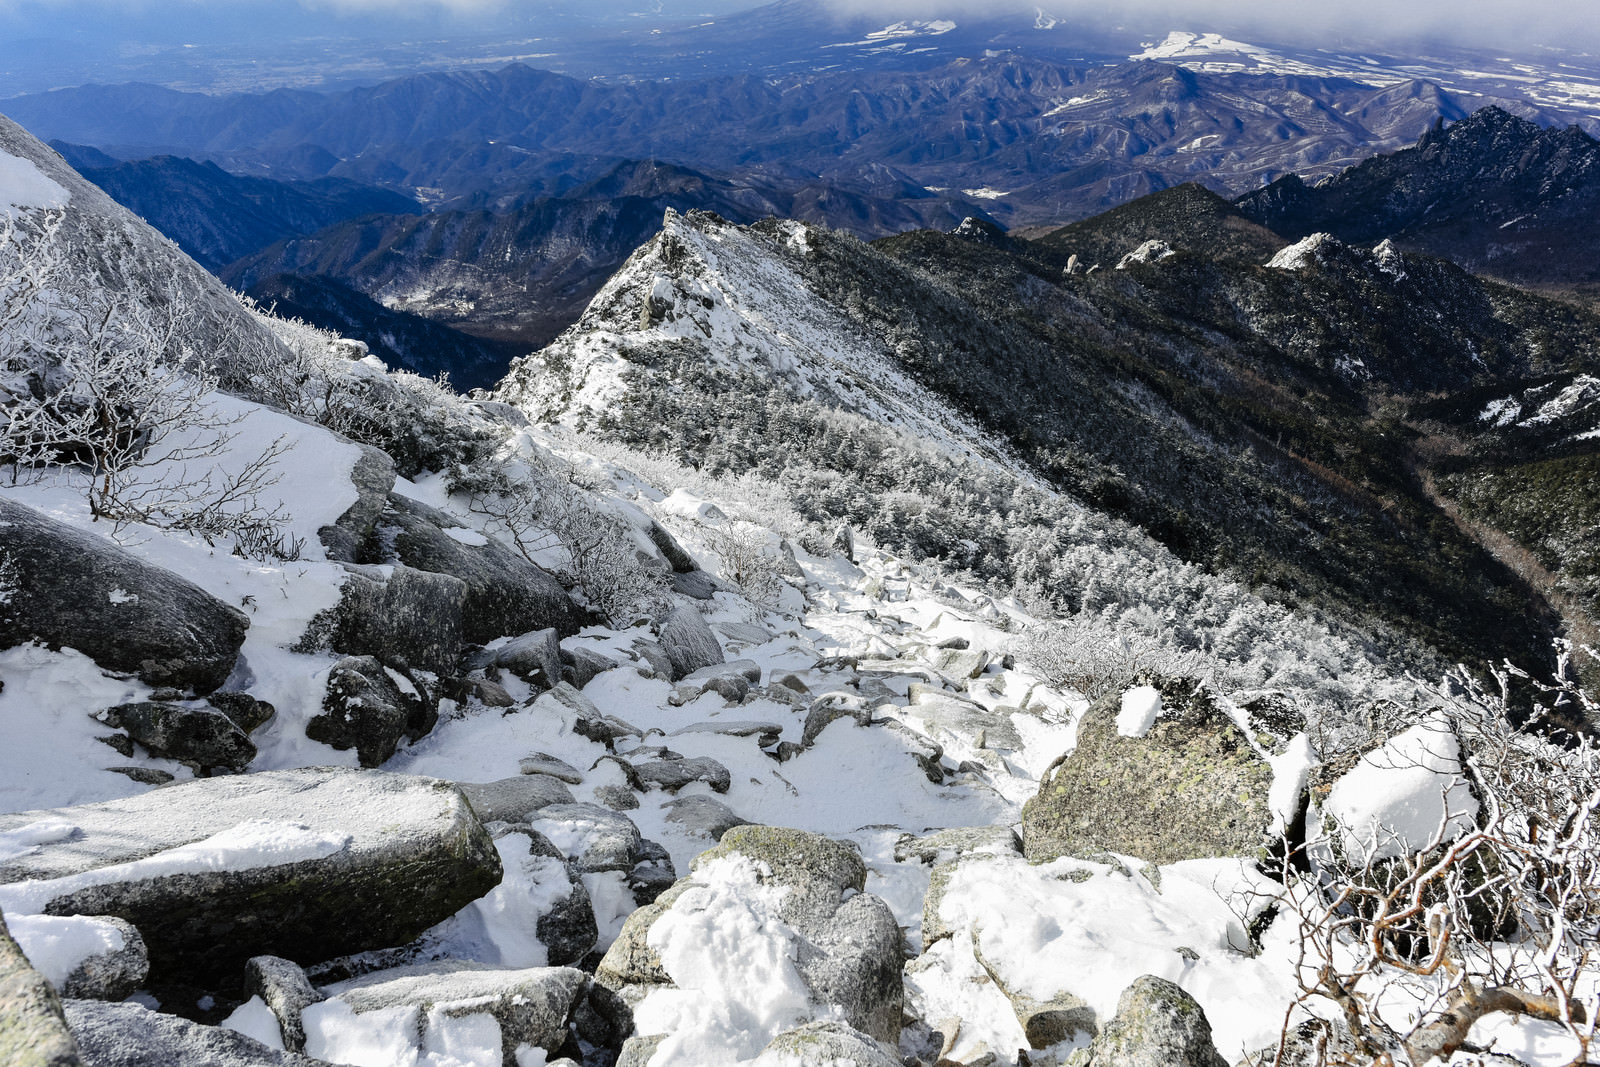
{"type": "Point", "coordinates": [688, 642]}
{"type": "Point", "coordinates": [1188, 786]}
{"type": "Point", "coordinates": [33, 1030]}
{"type": "Point", "coordinates": [307, 864]}
{"type": "Point", "coordinates": [396, 614]}
{"type": "Point", "coordinates": [202, 738]}
{"type": "Point", "coordinates": [370, 707]}
{"type": "Point", "coordinates": [76, 589]}
{"type": "Point", "coordinates": [131, 1035]}
{"type": "Point", "coordinates": [506, 594]}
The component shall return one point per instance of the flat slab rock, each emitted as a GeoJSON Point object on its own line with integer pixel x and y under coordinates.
{"type": "Point", "coordinates": [307, 864]}
{"type": "Point", "coordinates": [129, 1035]}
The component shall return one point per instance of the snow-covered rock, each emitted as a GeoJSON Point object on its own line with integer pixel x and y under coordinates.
{"type": "Point", "coordinates": [131, 1035]}
{"type": "Point", "coordinates": [81, 591]}
{"type": "Point", "coordinates": [306, 864]}
{"type": "Point", "coordinates": [84, 957]}
{"type": "Point", "coordinates": [370, 707]}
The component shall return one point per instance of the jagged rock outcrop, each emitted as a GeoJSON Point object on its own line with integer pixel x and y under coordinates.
{"type": "Point", "coordinates": [306, 864]}
{"type": "Point", "coordinates": [397, 614]}
{"type": "Point", "coordinates": [78, 590]}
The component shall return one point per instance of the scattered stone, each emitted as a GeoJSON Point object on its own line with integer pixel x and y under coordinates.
{"type": "Point", "coordinates": [202, 738]}
{"type": "Point", "coordinates": [544, 763]}
{"type": "Point", "coordinates": [687, 642]}
{"type": "Point", "coordinates": [657, 663]}
{"type": "Point", "coordinates": [121, 742]}
{"type": "Point", "coordinates": [373, 477]}
{"type": "Point", "coordinates": [490, 694]}
{"type": "Point", "coordinates": [131, 1035]}
{"type": "Point", "coordinates": [851, 951]}
{"type": "Point", "coordinates": [506, 594]}
{"type": "Point", "coordinates": [794, 683]}
{"type": "Point", "coordinates": [515, 800]}
{"type": "Point", "coordinates": [745, 633]}
{"type": "Point", "coordinates": [594, 838]}
{"type": "Point", "coordinates": [360, 860]}
{"type": "Point", "coordinates": [533, 657]}
{"type": "Point", "coordinates": [673, 775]}
{"type": "Point", "coordinates": [957, 841]}
{"type": "Point", "coordinates": [1191, 788]}
{"type": "Point", "coordinates": [787, 750]}
{"type": "Point", "coordinates": [76, 589]}
{"type": "Point", "coordinates": [586, 664]}
{"type": "Point", "coordinates": [959, 643]}
{"type": "Point", "coordinates": [247, 713]}
{"type": "Point", "coordinates": [703, 816]}
{"type": "Point", "coordinates": [616, 797]}
{"type": "Point", "coordinates": [830, 707]}
{"type": "Point", "coordinates": [395, 613]}
{"type": "Point", "coordinates": [370, 708]}
{"type": "Point", "coordinates": [532, 1005]}
{"type": "Point", "coordinates": [928, 753]}
{"type": "Point", "coordinates": [844, 543]}
{"type": "Point", "coordinates": [568, 929]}
{"type": "Point", "coordinates": [780, 694]}
{"type": "Point", "coordinates": [653, 873]}
{"type": "Point", "coordinates": [638, 1051]}
{"type": "Point", "coordinates": [144, 775]}
{"type": "Point", "coordinates": [283, 986]}
{"type": "Point", "coordinates": [1157, 1025]}
{"type": "Point", "coordinates": [963, 723]}
{"type": "Point", "coordinates": [671, 551]}
{"type": "Point", "coordinates": [766, 733]}
{"type": "Point", "coordinates": [697, 585]}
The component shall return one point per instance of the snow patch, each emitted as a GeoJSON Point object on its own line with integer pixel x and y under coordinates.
{"type": "Point", "coordinates": [23, 185]}
{"type": "Point", "coordinates": [465, 536]}
{"type": "Point", "coordinates": [1140, 706]}
{"type": "Point", "coordinates": [245, 846]}
{"type": "Point", "coordinates": [58, 945]}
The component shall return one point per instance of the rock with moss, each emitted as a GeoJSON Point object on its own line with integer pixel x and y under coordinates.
{"type": "Point", "coordinates": [396, 614]}
{"type": "Point", "coordinates": [202, 738]}
{"type": "Point", "coordinates": [1192, 787]}
{"type": "Point", "coordinates": [827, 1043]}
{"type": "Point", "coordinates": [1157, 1025]}
{"type": "Point", "coordinates": [33, 1030]}
{"type": "Point", "coordinates": [307, 864]}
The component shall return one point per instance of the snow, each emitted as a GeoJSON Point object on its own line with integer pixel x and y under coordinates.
{"type": "Point", "coordinates": [1090, 929]}
{"type": "Point", "coordinates": [57, 945]}
{"type": "Point", "coordinates": [254, 1019]}
{"type": "Point", "coordinates": [25, 840]}
{"type": "Point", "coordinates": [500, 927]}
{"type": "Point", "coordinates": [1302, 253]}
{"type": "Point", "coordinates": [249, 844]}
{"type": "Point", "coordinates": [1398, 797]}
{"type": "Point", "coordinates": [733, 959]}
{"type": "Point", "coordinates": [462, 535]}
{"type": "Point", "coordinates": [1140, 706]}
{"type": "Point", "coordinates": [23, 186]}
{"type": "Point", "coordinates": [381, 1038]}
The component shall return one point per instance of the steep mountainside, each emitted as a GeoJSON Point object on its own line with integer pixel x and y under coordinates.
{"type": "Point", "coordinates": [1495, 193]}
{"type": "Point", "coordinates": [217, 217]}
{"type": "Point", "coordinates": [1236, 411]}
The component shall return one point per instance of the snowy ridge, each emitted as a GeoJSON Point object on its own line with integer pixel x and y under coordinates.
{"type": "Point", "coordinates": [738, 296]}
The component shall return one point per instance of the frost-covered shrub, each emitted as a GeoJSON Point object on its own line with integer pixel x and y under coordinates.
{"type": "Point", "coordinates": [749, 559]}
{"type": "Point", "coordinates": [1095, 658]}
{"type": "Point", "coordinates": [420, 422]}
{"type": "Point", "coordinates": [535, 502]}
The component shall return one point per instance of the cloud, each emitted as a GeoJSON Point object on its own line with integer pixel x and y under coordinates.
{"type": "Point", "coordinates": [1482, 23]}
